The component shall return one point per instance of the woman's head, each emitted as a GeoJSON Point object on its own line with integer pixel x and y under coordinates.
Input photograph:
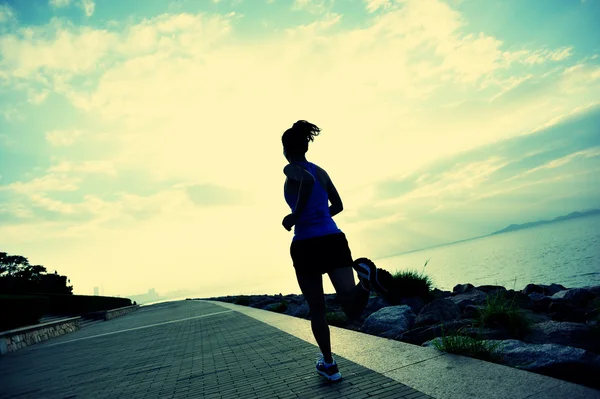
{"type": "Point", "coordinates": [295, 139]}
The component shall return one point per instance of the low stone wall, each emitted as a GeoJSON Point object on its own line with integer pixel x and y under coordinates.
{"type": "Point", "coordinates": [13, 340]}
{"type": "Point", "coordinates": [111, 314]}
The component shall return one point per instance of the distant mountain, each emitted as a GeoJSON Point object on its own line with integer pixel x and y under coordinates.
{"type": "Point", "coordinates": [572, 215]}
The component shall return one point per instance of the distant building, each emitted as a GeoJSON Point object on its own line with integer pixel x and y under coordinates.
{"type": "Point", "coordinates": [96, 291]}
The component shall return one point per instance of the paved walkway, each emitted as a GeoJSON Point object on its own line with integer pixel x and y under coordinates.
{"type": "Point", "coordinates": [187, 349]}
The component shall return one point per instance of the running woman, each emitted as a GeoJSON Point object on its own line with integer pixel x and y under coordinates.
{"type": "Point", "coordinates": [319, 246]}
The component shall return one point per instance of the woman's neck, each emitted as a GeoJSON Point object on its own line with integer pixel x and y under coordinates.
{"type": "Point", "coordinates": [298, 159]}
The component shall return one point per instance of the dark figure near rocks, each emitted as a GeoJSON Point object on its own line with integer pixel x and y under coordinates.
{"type": "Point", "coordinates": [319, 246]}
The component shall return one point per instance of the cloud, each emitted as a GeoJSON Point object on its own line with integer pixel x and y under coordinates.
{"type": "Point", "coordinates": [88, 7]}
{"type": "Point", "coordinates": [213, 195]}
{"type": "Point", "coordinates": [63, 138]}
{"type": "Point", "coordinates": [374, 5]}
{"type": "Point", "coordinates": [6, 14]}
{"type": "Point", "coordinates": [59, 3]}
{"type": "Point", "coordinates": [313, 6]}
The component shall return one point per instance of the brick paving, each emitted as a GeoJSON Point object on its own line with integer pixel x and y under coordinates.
{"type": "Point", "coordinates": [186, 349]}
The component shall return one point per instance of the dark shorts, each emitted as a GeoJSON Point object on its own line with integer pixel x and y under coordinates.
{"type": "Point", "coordinates": [320, 255]}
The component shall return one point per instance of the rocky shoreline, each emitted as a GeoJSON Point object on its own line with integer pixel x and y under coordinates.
{"type": "Point", "coordinates": [547, 329]}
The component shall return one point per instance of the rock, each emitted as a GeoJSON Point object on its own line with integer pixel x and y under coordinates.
{"type": "Point", "coordinates": [491, 288]}
{"type": "Point", "coordinates": [518, 298]}
{"type": "Point", "coordinates": [419, 335]}
{"type": "Point", "coordinates": [594, 289]}
{"type": "Point", "coordinates": [543, 289]}
{"type": "Point", "coordinates": [575, 297]}
{"type": "Point", "coordinates": [539, 302]}
{"type": "Point", "coordinates": [415, 303]}
{"type": "Point", "coordinates": [438, 311]}
{"type": "Point", "coordinates": [577, 335]}
{"type": "Point", "coordinates": [559, 361]}
{"type": "Point", "coordinates": [564, 312]}
{"type": "Point", "coordinates": [462, 288]}
{"type": "Point", "coordinates": [374, 304]}
{"type": "Point", "coordinates": [486, 333]}
{"type": "Point", "coordinates": [390, 321]}
{"type": "Point", "coordinates": [535, 318]}
{"type": "Point", "coordinates": [471, 311]}
{"type": "Point", "coordinates": [472, 297]}
{"type": "Point", "coordinates": [296, 310]}
{"type": "Point", "coordinates": [437, 293]}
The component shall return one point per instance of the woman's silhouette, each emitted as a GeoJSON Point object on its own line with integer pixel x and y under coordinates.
{"type": "Point", "coordinates": [319, 246]}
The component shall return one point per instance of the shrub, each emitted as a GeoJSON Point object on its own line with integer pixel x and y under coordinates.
{"type": "Point", "coordinates": [500, 312]}
{"type": "Point", "coordinates": [337, 319]}
{"type": "Point", "coordinates": [280, 307]}
{"type": "Point", "coordinates": [242, 300]}
{"type": "Point", "coordinates": [64, 304]}
{"type": "Point", "coordinates": [21, 310]}
{"type": "Point", "coordinates": [460, 344]}
{"type": "Point", "coordinates": [411, 283]}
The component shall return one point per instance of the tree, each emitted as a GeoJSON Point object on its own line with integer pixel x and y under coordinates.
{"type": "Point", "coordinates": [17, 276]}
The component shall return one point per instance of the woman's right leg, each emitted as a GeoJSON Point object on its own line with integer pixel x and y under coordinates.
{"type": "Point", "coordinates": [312, 289]}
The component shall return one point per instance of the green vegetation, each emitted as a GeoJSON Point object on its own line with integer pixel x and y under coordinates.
{"type": "Point", "coordinates": [460, 344]}
{"type": "Point", "coordinates": [18, 277]}
{"type": "Point", "coordinates": [500, 312]}
{"type": "Point", "coordinates": [21, 310]}
{"type": "Point", "coordinates": [280, 307]}
{"type": "Point", "coordinates": [411, 283]}
{"type": "Point", "coordinates": [337, 319]}
{"type": "Point", "coordinates": [242, 300]}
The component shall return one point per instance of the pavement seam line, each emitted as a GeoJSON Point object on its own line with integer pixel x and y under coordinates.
{"type": "Point", "coordinates": [134, 329]}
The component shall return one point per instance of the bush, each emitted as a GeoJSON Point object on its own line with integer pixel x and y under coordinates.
{"type": "Point", "coordinates": [337, 319]}
{"type": "Point", "coordinates": [72, 305]}
{"type": "Point", "coordinates": [242, 300]}
{"type": "Point", "coordinates": [21, 310]}
{"type": "Point", "coordinates": [280, 307]}
{"type": "Point", "coordinates": [411, 283]}
{"type": "Point", "coordinates": [500, 312]}
{"type": "Point", "coordinates": [460, 344]}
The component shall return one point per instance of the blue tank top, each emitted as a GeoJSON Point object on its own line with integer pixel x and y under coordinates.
{"type": "Point", "coordinates": [315, 220]}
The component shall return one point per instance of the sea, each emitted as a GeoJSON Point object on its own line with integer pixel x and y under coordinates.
{"type": "Point", "coordinates": [565, 252]}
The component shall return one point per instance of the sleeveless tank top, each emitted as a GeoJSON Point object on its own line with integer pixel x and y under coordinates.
{"type": "Point", "coordinates": [315, 220]}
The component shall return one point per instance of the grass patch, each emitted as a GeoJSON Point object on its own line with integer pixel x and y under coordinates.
{"type": "Point", "coordinates": [411, 283]}
{"type": "Point", "coordinates": [500, 312]}
{"type": "Point", "coordinates": [460, 344]}
{"type": "Point", "coordinates": [337, 319]}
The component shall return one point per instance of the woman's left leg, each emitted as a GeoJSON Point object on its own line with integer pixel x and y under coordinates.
{"type": "Point", "coordinates": [354, 297]}
{"type": "Point", "coordinates": [311, 286]}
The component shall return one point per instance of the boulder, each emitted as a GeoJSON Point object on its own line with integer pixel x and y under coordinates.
{"type": "Point", "coordinates": [491, 288]}
{"type": "Point", "coordinates": [575, 297]}
{"type": "Point", "coordinates": [419, 335]}
{"type": "Point", "coordinates": [539, 302]}
{"type": "Point", "coordinates": [437, 293]}
{"type": "Point", "coordinates": [390, 321]}
{"type": "Point", "coordinates": [594, 289]}
{"type": "Point", "coordinates": [543, 289]}
{"type": "Point", "coordinates": [577, 335]}
{"type": "Point", "coordinates": [518, 298]}
{"type": "Point", "coordinates": [415, 303]}
{"type": "Point", "coordinates": [438, 311]}
{"type": "Point", "coordinates": [296, 310]}
{"type": "Point", "coordinates": [462, 288]}
{"type": "Point", "coordinates": [472, 297]}
{"type": "Point", "coordinates": [559, 361]}
{"type": "Point", "coordinates": [560, 311]}
{"type": "Point", "coordinates": [375, 303]}
{"type": "Point", "coordinates": [471, 311]}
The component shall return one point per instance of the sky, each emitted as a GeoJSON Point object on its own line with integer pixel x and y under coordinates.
{"type": "Point", "coordinates": [140, 142]}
